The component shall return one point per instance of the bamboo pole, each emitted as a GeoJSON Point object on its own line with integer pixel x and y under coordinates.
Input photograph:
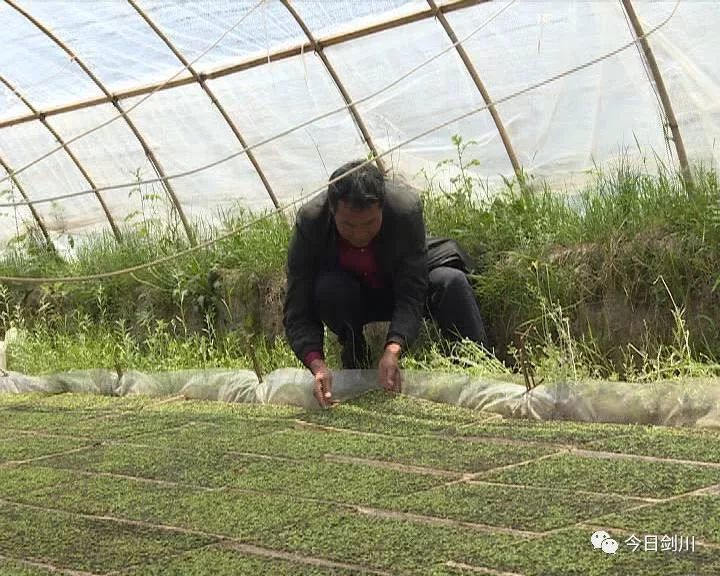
{"type": "Point", "coordinates": [34, 212]}
{"type": "Point", "coordinates": [203, 84]}
{"type": "Point", "coordinates": [662, 92]}
{"type": "Point", "coordinates": [336, 79]}
{"type": "Point", "coordinates": [481, 88]}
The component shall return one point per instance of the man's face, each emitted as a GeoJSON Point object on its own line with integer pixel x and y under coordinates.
{"type": "Point", "coordinates": [358, 227]}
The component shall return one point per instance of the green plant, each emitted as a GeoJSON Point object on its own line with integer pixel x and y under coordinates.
{"type": "Point", "coordinates": [574, 274]}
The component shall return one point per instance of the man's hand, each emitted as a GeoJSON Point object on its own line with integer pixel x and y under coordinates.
{"type": "Point", "coordinates": [323, 383]}
{"type": "Point", "coordinates": [388, 369]}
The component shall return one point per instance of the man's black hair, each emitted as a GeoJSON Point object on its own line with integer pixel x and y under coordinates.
{"type": "Point", "coordinates": [360, 190]}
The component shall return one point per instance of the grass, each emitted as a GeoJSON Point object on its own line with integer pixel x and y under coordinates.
{"type": "Point", "coordinates": [237, 489]}
{"type": "Point", "coordinates": [616, 476]}
{"type": "Point", "coordinates": [404, 424]}
{"type": "Point", "coordinates": [22, 480]}
{"type": "Point", "coordinates": [49, 349]}
{"type": "Point", "coordinates": [212, 469]}
{"type": "Point", "coordinates": [652, 441]}
{"type": "Point", "coordinates": [23, 448]}
{"type": "Point", "coordinates": [83, 543]}
{"type": "Point", "coordinates": [84, 424]}
{"type": "Point", "coordinates": [568, 552]}
{"type": "Point", "coordinates": [508, 506]}
{"type": "Point", "coordinates": [573, 272]}
{"type": "Point", "coordinates": [697, 515]}
{"type": "Point", "coordinates": [231, 563]}
{"type": "Point", "coordinates": [449, 454]}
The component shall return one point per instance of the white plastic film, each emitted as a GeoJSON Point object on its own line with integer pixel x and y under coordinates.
{"type": "Point", "coordinates": [559, 131]}
{"type": "Point", "coordinates": [36, 66]}
{"type": "Point", "coordinates": [280, 95]}
{"type": "Point", "coordinates": [14, 221]}
{"type": "Point", "coordinates": [56, 175]}
{"type": "Point", "coordinates": [185, 130]}
{"type": "Point", "coordinates": [110, 38]}
{"type": "Point", "coordinates": [686, 55]}
{"type": "Point", "coordinates": [341, 16]}
{"type": "Point", "coordinates": [111, 155]}
{"type": "Point", "coordinates": [434, 94]}
{"type": "Point", "coordinates": [193, 27]}
{"type": "Point", "coordinates": [596, 114]}
{"type": "Point", "coordinates": [683, 402]}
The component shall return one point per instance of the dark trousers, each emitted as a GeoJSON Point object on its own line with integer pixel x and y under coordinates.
{"type": "Point", "coordinates": [345, 305]}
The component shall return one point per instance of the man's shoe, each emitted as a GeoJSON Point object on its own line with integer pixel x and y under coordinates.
{"type": "Point", "coordinates": [355, 353]}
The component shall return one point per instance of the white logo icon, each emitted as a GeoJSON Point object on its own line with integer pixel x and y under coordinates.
{"type": "Point", "coordinates": [602, 540]}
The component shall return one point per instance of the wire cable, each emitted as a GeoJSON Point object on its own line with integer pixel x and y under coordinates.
{"type": "Point", "coordinates": [143, 99]}
{"type": "Point", "coordinates": [229, 157]}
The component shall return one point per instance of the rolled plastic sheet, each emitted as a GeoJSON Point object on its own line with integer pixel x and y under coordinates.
{"type": "Point", "coordinates": [711, 419]}
{"type": "Point", "coordinates": [507, 399]}
{"type": "Point", "coordinates": [443, 387]}
{"type": "Point", "coordinates": [213, 384]}
{"type": "Point", "coordinates": [16, 383]}
{"type": "Point", "coordinates": [681, 402]}
{"type": "Point", "coordinates": [222, 385]}
{"type": "Point", "coordinates": [96, 381]}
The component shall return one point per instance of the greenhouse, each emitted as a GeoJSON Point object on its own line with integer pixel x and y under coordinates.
{"type": "Point", "coordinates": [359, 287]}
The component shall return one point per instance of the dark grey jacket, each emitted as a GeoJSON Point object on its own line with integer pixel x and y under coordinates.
{"type": "Point", "coordinates": [401, 253]}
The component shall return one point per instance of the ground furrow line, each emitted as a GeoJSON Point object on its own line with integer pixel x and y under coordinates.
{"type": "Point", "coordinates": [47, 566]}
{"type": "Point", "coordinates": [447, 522]}
{"type": "Point", "coordinates": [143, 433]}
{"type": "Point", "coordinates": [428, 471]}
{"type": "Point", "coordinates": [713, 490]}
{"type": "Point", "coordinates": [117, 520]}
{"type": "Point", "coordinates": [514, 442]}
{"type": "Point", "coordinates": [570, 490]}
{"type": "Point", "coordinates": [598, 519]}
{"type": "Point", "coordinates": [97, 440]}
{"type": "Point", "coordinates": [480, 569]}
{"type": "Point", "coordinates": [325, 428]}
{"type": "Point", "coordinates": [41, 434]}
{"type": "Point", "coordinates": [301, 559]}
{"type": "Point", "coordinates": [604, 455]}
{"type": "Point", "coordinates": [357, 508]}
{"type": "Point", "coordinates": [491, 439]}
{"type": "Point", "coordinates": [48, 456]}
{"type": "Point", "coordinates": [142, 479]}
{"type": "Point", "coordinates": [475, 475]}
{"type": "Point", "coordinates": [225, 452]}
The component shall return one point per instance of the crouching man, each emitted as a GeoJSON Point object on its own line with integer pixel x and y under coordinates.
{"type": "Point", "coordinates": [358, 255]}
